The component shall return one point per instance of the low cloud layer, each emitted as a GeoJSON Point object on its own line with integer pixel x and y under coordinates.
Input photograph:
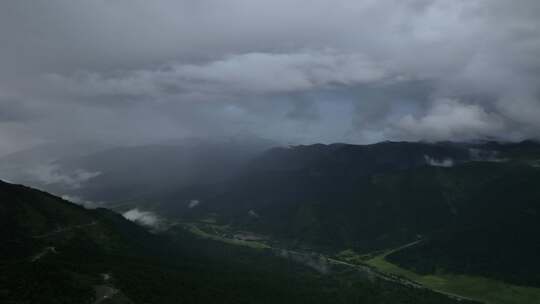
{"type": "Point", "coordinates": [193, 203]}
{"type": "Point", "coordinates": [451, 119]}
{"type": "Point", "coordinates": [145, 218]}
{"type": "Point", "coordinates": [249, 73]}
{"type": "Point", "coordinates": [51, 173]}
{"type": "Point", "coordinates": [446, 162]}
{"type": "Point", "coordinates": [85, 203]}
{"type": "Point", "coordinates": [293, 71]}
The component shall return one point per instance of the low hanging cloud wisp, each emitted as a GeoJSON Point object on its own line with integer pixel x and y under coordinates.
{"type": "Point", "coordinates": [193, 203]}
{"type": "Point", "coordinates": [51, 173]}
{"type": "Point", "coordinates": [451, 119]}
{"type": "Point", "coordinates": [145, 218]}
{"type": "Point", "coordinates": [85, 203]}
{"type": "Point", "coordinates": [446, 162]}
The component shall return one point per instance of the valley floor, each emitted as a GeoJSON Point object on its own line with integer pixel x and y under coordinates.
{"type": "Point", "coordinates": [376, 267]}
{"type": "Point", "coordinates": [478, 288]}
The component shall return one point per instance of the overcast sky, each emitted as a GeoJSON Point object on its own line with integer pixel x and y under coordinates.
{"type": "Point", "coordinates": [295, 71]}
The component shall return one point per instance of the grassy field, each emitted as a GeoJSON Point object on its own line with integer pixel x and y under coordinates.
{"type": "Point", "coordinates": [477, 288]}
{"type": "Point", "coordinates": [252, 244]}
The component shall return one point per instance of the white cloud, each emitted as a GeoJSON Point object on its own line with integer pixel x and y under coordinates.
{"type": "Point", "coordinates": [51, 173]}
{"type": "Point", "coordinates": [80, 201]}
{"type": "Point", "coordinates": [446, 162]}
{"type": "Point", "coordinates": [193, 203]}
{"type": "Point", "coordinates": [253, 214]}
{"type": "Point", "coordinates": [450, 118]}
{"type": "Point", "coordinates": [285, 72]}
{"type": "Point", "coordinates": [145, 218]}
{"type": "Point", "coordinates": [245, 73]}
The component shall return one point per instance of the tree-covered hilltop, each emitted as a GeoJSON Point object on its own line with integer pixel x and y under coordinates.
{"type": "Point", "coordinates": [495, 230]}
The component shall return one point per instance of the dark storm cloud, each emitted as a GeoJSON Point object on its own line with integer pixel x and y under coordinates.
{"type": "Point", "coordinates": [14, 110]}
{"type": "Point", "coordinates": [304, 109]}
{"type": "Point", "coordinates": [295, 71]}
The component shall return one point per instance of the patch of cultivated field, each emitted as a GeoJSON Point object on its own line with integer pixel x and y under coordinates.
{"type": "Point", "coordinates": [477, 288]}
{"type": "Point", "coordinates": [252, 244]}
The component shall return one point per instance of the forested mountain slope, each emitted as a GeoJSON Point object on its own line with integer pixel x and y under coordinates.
{"type": "Point", "coordinates": [56, 252]}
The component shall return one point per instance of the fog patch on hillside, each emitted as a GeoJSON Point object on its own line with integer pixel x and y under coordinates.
{"type": "Point", "coordinates": [193, 203]}
{"type": "Point", "coordinates": [52, 174]}
{"type": "Point", "coordinates": [253, 214]}
{"type": "Point", "coordinates": [446, 162]}
{"type": "Point", "coordinates": [144, 218]}
{"type": "Point", "coordinates": [80, 201]}
{"type": "Point", "coordinates": [485, 155]}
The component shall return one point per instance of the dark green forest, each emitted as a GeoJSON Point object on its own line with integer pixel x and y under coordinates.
{"type": "Point", "coordinates": [155, 268]}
